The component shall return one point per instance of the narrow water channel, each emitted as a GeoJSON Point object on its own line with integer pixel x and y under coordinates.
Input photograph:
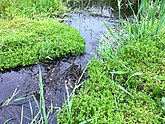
{"type": "Point", "coordinates": [24, 81]}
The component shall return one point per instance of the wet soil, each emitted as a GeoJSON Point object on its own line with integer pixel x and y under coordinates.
{"type": "Point", "coordinates": [56, 75]}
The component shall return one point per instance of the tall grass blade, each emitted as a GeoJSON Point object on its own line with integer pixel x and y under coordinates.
{"type": "Point", "coordinates": [122, 88]}
{"type": "Point", "coordinates": [119, 7]}
{"type": "Point", "coordinates": [31, 109]}
{"type": "Point", "coordinates": [135, 74]}
{"type": "Point", "coordinates": [135, 16]}
{"type": "Point", "coordinates": [70, 99]}
{"type": "Point", "coordinates": [22, 115]}
{"type": "Point", "coordinates": [21, 98]}
{"type": "Point", "coordinates": [119, 72]}
{"type": "Point", "coordinates": [42, 101]}
{"type": "Point", "coordinates": [87, 121]}
{"type": "Point", "coordinates": [163, 101]}
{"type": "Point", "coordinates": [35, 118]}
{"type": "Point", "coordinates": [115, 38]}
{"type": "Point", "coordinates": [11, 98]}
{"type": "Point", "coordinates": [8, 120]}
{"type": "Point", "coordinates": [161, 16]}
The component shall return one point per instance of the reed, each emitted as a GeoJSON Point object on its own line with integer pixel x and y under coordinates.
{"type": "Point", "coordinates": [148, 22]}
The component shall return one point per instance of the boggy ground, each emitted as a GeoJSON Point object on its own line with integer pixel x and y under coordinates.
{"type": "Point", "coordinates": [28, 42]}
{"type": "Point", "coordinates": [123, 87]}
{"type": "Point", "coordinates": [55, 75]}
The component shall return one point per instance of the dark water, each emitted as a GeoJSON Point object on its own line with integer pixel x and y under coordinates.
{"type": "Point", "coordinates": [88, 20]}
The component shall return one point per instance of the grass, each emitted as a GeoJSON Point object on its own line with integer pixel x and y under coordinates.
{"type": "Point", "coordinates": [42, 100]}
{"type": "Point", "coordinates": [25, 41]}
{"type": "Point", "coordinates": [151, 15]}
{"type": "Point", "coordinates": [127, 84]}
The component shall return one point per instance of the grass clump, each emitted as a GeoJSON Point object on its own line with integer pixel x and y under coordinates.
{"type": "Point", "coordinates": [31, 8]}
{"type": "Point", "coordinates": [25, 41]}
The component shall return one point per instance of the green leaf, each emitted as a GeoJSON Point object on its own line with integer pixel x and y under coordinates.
{"type": "Point", "coordinates": [84, 122]}
{"type": "Point", "coordinates": [48, 57]}
{"type": "Point", "coordinates": [137, 74]}
{"type": "Point", "coordinates": [163, 101]}
{"type": "Point", "coordinates": [119, 72]}
{"type": "Point", "coordinates": [157, 90]}
{"type": "Point", "coordinates": [162, 78]}
{"type": "Point", "coordinates": [125, 90]}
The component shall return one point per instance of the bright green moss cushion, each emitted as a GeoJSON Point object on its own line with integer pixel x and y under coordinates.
{"type": "Point", "coordinates": [25, 41]}
{"type": "Point", "coordinates": [31, 8]}
{"type": "Point", "coordinates": [126, 88]}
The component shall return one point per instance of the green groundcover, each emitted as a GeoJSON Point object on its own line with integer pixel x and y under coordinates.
{"type": "Point", "coordinates": [126, 87]}
{"type": "Point", "coordinates": [25, 41]}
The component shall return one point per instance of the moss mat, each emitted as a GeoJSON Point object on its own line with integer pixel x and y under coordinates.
{"type": "Point", "coordinates": [25, 41]}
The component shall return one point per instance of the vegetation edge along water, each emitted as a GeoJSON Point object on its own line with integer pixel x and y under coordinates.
{"type": "Point", "coordinates": [28, 34]}
{"type": "Point", "coordinates": [124, 86]}
{"type": "Point", "coordinates": [128, 89]}
{"type": "Point", "coordinates": [26, 41]}
{"type": "Point", "coordinates": [127, 84]}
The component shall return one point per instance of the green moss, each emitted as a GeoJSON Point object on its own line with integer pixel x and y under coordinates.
{"type": "Point", "coordinates": [31, 8]}
{"type": "Point", "coordinates": [25, 41]}
{"type": "Point", "coordinates": [105, 102]}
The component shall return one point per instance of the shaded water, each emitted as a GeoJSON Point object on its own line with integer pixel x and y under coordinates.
{"type": "Point", "coordinates": [89, 22]}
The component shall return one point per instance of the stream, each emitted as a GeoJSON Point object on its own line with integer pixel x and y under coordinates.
{"type": "Point", "coordinates": [57, 75]}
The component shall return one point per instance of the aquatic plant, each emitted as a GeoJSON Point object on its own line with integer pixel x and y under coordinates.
{"type": "Point", "coordinates": [25, 41]}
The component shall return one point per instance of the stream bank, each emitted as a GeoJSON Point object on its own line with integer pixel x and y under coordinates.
{"type": "Point", "coordinates": [89, 22]}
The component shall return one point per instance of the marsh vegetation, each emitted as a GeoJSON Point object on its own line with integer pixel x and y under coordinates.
{"type": "Point", "coordinates": [124, 83]}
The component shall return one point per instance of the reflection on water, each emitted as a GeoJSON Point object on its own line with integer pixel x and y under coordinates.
{"type": "Point", "coordinates": [90, 23]}
{"type": "Point", "coordinates": [90, 27]}
{"type": "Point", "coordinates": [105, 6]}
